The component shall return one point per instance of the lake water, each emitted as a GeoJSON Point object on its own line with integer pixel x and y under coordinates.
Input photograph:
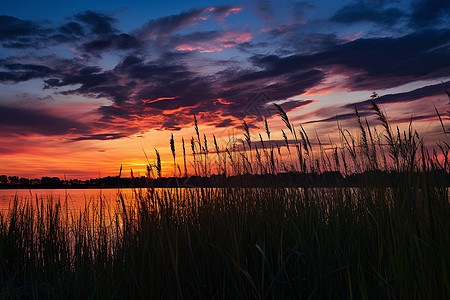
{"type": "Point", "coordinates": [76, 199]}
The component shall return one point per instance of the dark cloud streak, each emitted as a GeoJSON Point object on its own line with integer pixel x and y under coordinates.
{"type": "Point", "coordinates": [367, 12]}
{"type": "Point", "coordinates": [12, 28]}
{"type": "Point", "coordinates": [100, 136]}
{"type": "Point", "coordinates": [429, 12]}
{"type": "Point", "coordinates": [98, 23]}
{"type": "Point", "coordinates": [23, 121]}
{"type": "Point", "coordinates": [379, 62]}
{"type": "Point", "coordinates": [416, 94]}
{"type": "Point", "coordinates": [23, 72]}
{"type": "Point", "coordinates": [167, 25]}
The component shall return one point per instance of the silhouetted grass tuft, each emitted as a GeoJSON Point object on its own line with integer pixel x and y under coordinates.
{"type": "Point", "coordinates": [367, 241]}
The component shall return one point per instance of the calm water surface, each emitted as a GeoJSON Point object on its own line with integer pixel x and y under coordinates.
{"type": "Point", "coordinates": [76, 199]}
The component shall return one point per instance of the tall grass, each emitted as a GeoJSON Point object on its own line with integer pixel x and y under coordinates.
{"type": "Point", "coordinates": [267, 243]}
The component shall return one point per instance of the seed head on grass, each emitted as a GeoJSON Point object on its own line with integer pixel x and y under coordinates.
{"type": "Point", "coordinates": [305, 146]}
{"type": "Point", "coordinates": [215, 144]}
{"type": "Point", "coordinates": [172, 148]}
{"type": "Point", "coordinates": [205, 144]}
{"type": "Point", "coordinates": [192, 145]}
{"type": "Point", "coordinates": [172, 145]}
{"type": "Point", "coordinates": [393, 146]}
{"type": "Point", "coordinates": [384, 121]}
{"type": "Point", "coordinates": [205, 150]}
{"type": "Point", "coordinates": [272, 160]}
{"type": "Point", "coordinates": [283, 116]}
{"type": "Point", "coordinates": [285, 140]}
{"type": "Point", "coordinates": [247, 135]}
{"type": "Point", "coordinates": [363, 132]}
{"type": "Point", "coordinates": [267, 128]}
{"type": "Point", "coordinates": [305, 141]}
{"type": "Point", "coordinates": [158, 163]}
{"type": "Point", "coordinates": [196, 129]}
{"type": "Point", "coordinates": [184, 157]}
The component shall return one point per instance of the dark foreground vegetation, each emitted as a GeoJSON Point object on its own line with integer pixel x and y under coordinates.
{"type": "Point", "coordinates": [385, 238]}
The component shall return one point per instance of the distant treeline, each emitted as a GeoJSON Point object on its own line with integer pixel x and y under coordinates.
{"type": "Point", "coordinates": [288, 179]}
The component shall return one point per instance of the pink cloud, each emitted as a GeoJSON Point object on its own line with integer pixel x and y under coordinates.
{"type": "Point", "coordinates": [227, 40]}
{"type": "Point", "coordinates": [197, 46]}
{"type": "Point", "coordinates": [232, 10]}
{"type": "Point", "coordinates": [219, 12]}
{"type": "Point", "coordinates": [351, 38]}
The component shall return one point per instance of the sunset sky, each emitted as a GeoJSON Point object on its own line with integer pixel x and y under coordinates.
{"type": "Point", "coordinates": [86, 86]}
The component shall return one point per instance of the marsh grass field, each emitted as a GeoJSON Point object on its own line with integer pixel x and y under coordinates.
{"type": "Point", "coordinates": [366, 242]}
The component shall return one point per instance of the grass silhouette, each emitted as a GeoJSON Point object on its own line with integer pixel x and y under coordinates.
{"type": "Point", "coordinates": [369, 241]}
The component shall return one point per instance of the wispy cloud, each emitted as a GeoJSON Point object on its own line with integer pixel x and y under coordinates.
{"type": "Point", "coordinates": [214, 41]}
{"type": "Point", "coordinates": [164, 26]}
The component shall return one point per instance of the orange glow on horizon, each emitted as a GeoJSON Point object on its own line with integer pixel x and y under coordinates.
{"type": "Point", "coordinates": [94, 158]}
{"type": "Point", "coordinates": [34, 156]}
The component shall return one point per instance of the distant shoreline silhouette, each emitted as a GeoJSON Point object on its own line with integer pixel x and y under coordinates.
{"type": "Point", "coordinates": [288, 179]}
